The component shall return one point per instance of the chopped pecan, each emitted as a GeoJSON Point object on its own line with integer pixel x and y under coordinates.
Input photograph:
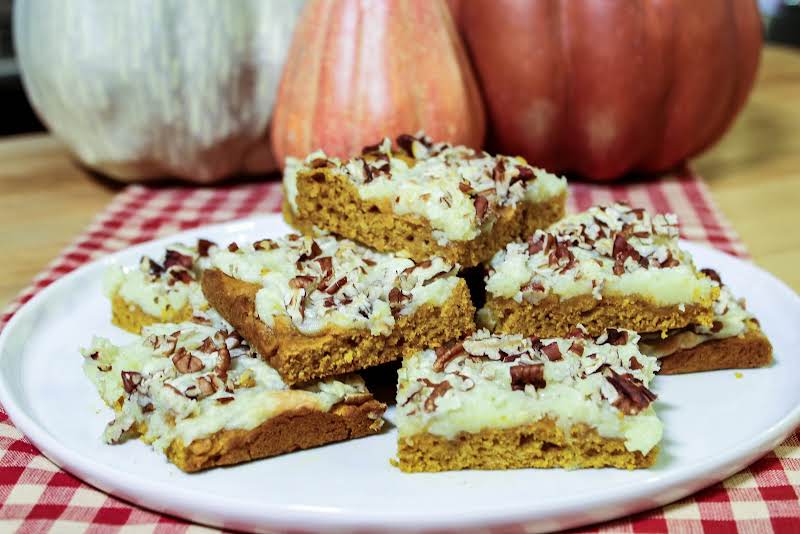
{"type": "Point", "coordinates": [577, 332]}
{"type": "Point", "coordinates": [576, 348]}
{"type": "Point", "coordinates": [716, 326]}
{"type": "Point", "coordinates": [336, 286]}
{"type": "Point", "coordinates": [524, 374]}
{"type": "Point", "coordinates": [616, 337]}
{"type": "Point", "coordinates": [206, 385]}
{"type": "Point", "coordinates": [313, 252]}
{"type": "Point", "coordinates": [711, 273]}
{"type": "Point", "coordinates": [173, 257]}
{"type": "Point", "coordinates": [445, 355]}
{"type": "Point", "coordinates": [184, 362]}
{"type": "Point", "coordinates": [152, 267]}
{"type": "Point", "coordinates": [301, 281]}
{"type": "Point", "coordinates": [499, 171]}
{"type": "Point", "coordinates": [552, 351]}
{"type": "Point", "coordinates": [634, 364]}
{"type": "Point", "coordinates": [621, 251]}
{"type": "Point", "coordinates": [524, 174]}
{"type": "Point", "coordinates": [224, 400]}
{"type": "Point", "coordinates": [371, 149]}
{"type": "Point", "coordinates": [405, 143]}
{"type": "Point", "coordinates": [369, 262]}
{"type": "Point", "coordinates": [396, 296]}
{"type": "Point", "coordinates": [439, 389]}
{"type": "Point", "coordinates": [199, 319]}
{"type": "Point", "coordinates": [180, 275]}
{"type": "Point", "coordinates": [633, 395]}
{"type": "Point", "coordinates": [464, 187]}
{"type": "Point", "coordinates": [203, 245]}
{"type": "Point", "coordinates": [130, 380]}
{"type": "Point", "coordinates": [536, 343]}
{"type": "Point", "coordinates": [481, 206]}
{"type": "Point", "coordinates": [223, 362]}
{"type": "Point", "coordinates": [208, 346]}
{"type": "Point", "coordinates": [233, 247]}
{"type": "Point", "coordinates": [265, 244]}
{"type": "Point", "coordinates": [368, 176]}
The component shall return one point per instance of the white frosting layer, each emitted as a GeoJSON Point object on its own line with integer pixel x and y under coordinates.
{"type": "Point", "coordinates": [159, 287]}
{"type": "Point", "coordinates": [437, 182]}
{"type": "Point", "coordinates": [612, 250]}
{"type": "Point", "coordinates": [576, 387]}
{"type": "Point", "coordinates": [324, 282]}
{"type": "Point", "coordinates": [209, 398]}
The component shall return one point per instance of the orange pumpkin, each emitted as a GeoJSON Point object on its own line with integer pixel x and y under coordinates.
{"type": "Point", "coordinates": [606, 87]}
{"type": "Point", "coordinates": [358, 71]}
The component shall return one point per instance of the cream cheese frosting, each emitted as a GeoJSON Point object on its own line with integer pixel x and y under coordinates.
{"type": "Point", "coordinates": [188, 381]}
{"type": "Point", "coordinates": [502, 381]}
{"type": "Point", "coordinates": [606, 250]}
{"type": "Point", "coordinates": [320, 282]}
{"type": "Point", "coordinates": [160, 286]}
{"type": "Point", "coordinates": [457, 190]}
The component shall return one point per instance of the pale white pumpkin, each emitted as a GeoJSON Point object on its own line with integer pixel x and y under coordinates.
{"type": "Point", "coordinates": [141, 89]}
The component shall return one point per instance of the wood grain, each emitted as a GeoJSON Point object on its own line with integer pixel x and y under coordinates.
{"type": "Point", "coordinates": [46, 199]}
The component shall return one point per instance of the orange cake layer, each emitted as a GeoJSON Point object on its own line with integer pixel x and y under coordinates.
{"type": "Point", "coordinates": [748, 350]}
{"type": "Point", "coordinates": [551, 317]}
{"type": "Point", "coordinates": [541, 444]}
{"type": "Point", "coordinates": [290, 431]}
{"type": "Point", "coordinates": [132, 318]}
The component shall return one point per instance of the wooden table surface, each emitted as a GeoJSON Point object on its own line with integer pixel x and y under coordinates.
{"type": "Point", "coordinates": [754, 175]}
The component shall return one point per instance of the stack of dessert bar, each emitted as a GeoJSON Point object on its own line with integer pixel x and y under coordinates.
{"type": "Point", "coordinates": [248, 350]}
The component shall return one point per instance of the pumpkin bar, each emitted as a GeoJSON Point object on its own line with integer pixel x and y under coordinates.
{"type": "Point", "coordinates": [505, 401]}
{"type": "Point", "coordinates": [610, 266]}
{"type": "Point", "coordinates": [317, 307]}
{"type": "Point", "coordinates": [733, 341]}
{"type": "Point", "coordinates": [202, 396]}
{"type": "Point", "coordinates": [158, 290]}
{"type": "Point", "coordinates": [423, 199]}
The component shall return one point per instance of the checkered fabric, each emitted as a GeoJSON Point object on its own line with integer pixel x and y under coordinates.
{"type": "Point", "coordinates": [36, 496]}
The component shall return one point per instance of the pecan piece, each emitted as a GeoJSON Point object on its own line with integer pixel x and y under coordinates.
{"type": "Point", "coordinates": [336, 286]}
{"type": "Point", "coordinates": [481, 206]}
{"type": "Point", "coordinates": [265, 244]}
{"type": "Point", "coordinates": [711, 273]}
{"type": "Point", "coordinates": [616, 337]}
{"type": "Point", "coordinates": [439, 389]}
{"type": "Point", "coordinates": [633, 395]}
{"type": "Point", "coordinates": [208, 346]}
{"type": "Point", "coordinates": [203, 245]}
{"type": "Point", "coordinates": [406, 142]}
{"type": "Point", "coordinates": [223, 362]}
{"type": "Point", "coordinates": [233, 247]}
{"type": "Point", "coordinates": [152, 267]}
{"type": "Point", "coordinates": [301, 281]}
{"type": "Point", "coordinates": [552, 351]}
{"type": "Point", "coordinates": [523, 374]}
{"type": "Point", "coordinates": [313, 252]}
{"type": "Point", "coordinates": [224, 400]}
{"type": "Point", "coordinates": [445, 355]}
{"type": "Point", "coordinates": [130, 380]}
{"type": "Point", "coordinates": [499, 171]}
{"type": "Point", "coordinates": [173, 257]}
{"type": "Point", "coordinates": [184, 362]}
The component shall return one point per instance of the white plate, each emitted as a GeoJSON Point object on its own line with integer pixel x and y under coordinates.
{"type": "Point", "coordinates": [715, 425]}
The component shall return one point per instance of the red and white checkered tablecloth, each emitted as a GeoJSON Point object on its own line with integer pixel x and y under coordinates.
{"type": "Point", "coordinates": [36, 496]}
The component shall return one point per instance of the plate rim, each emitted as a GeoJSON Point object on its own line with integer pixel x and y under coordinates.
{"type": "Point", "coordinates": [152, 495]}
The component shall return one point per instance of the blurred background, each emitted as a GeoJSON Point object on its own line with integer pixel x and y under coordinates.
{"type": "Point", "coordinates": [781, 25]}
